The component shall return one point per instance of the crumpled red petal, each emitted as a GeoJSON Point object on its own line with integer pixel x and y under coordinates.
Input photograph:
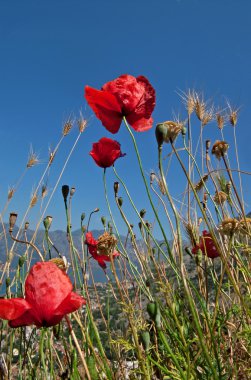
{"type": "Point", "coordinates": [139, 125]}
{"type": "Point", "coordinates": [26, 319]}
{"type": "Point", "coordinates": [106, 108]}
{"type": "Point", "coordinates": [13, 308]}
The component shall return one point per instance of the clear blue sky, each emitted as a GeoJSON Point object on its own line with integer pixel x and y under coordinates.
{"type": "Point", "coordinates": [51, 49]}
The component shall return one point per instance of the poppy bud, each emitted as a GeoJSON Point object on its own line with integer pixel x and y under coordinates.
{"type": "Point", "coordinates": [7, 282]}
{"type": "Point", "coordinates": [72, 192]}
{"type": "Point", "coordinates": [160, 133]}
{"type": "Point", "coordinates": [65, 192]}
{"type": "Point", "coordinates": [21, 261]}
{"type": "Point", "coordinates": [116, 188]}
{"type": "Point", "coordinates": [140, 225]}
{"type": "Point", "coordinates": [154, 313]}
{"type": "Point", "coordinates": [47, 222]}
{"type": "Point", "coordinates": [142, 213]}
{"type": "Point", "coordinates": [145, 339]}
{"type": "Point", "coordinates": [183, 131]}
{"type": "Point", "coordinates": [103, 220]}
{"type": "Point", "coordinates": [12, 221]}
{"type": "Point", "coordinates": [82, 216]}
{"type": "Point", "coordinates": [208, 143]}
{"type": "Point", "coordinates": [26, 226]}
{"type": "Point", "coordinates": [120, 201]}
{"type": "Point", "coordinates": [151, 309]}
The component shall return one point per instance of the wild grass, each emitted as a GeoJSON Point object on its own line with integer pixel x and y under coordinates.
{"type": "Point", "coordinates": [167, 310]}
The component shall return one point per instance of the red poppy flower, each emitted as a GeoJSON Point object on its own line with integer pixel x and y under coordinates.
{"type": "Point", "coordinates": [207, 246]}
{"type": "Point", "coordinates": [126, 96]}
{"type": "Point", "coordinates": [105, 152]}
{"type": "Point", "coordinates": [101, 249]}
{"type": "Point", "coordinates": [48, 298]}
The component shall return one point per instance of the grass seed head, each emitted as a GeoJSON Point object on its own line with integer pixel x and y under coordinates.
{"type": "Point", "coordinates": [229, 226]}
{"type": "Point", "coordinates": [34, 199]}
{"type": "Point", "coordinates": [219, 149]}
{"type": "Point", "coordinates": [11, 192]}
{"type": "Point", "coordinates": [32, 159]}
{"type": "Point", "coordinates": [220, 197]}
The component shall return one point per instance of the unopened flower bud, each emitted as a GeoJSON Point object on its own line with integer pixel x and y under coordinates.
{"type": "Point", "coordinates": [82, 216]}
{"type": "Point", "coordinates": [103, 220]}
{"type": "Point", "coordinates": [12, 221]}
{"type": "Point", "coordinates": [116, 188]}
{"type": "Point", "coordinates": [65, 192]}
{"type": "Point", "coordinates": [83, 229]}
{"type": "Point", "coordinates": [120, 201]}
{"type": "Point", "coordinates": [7, 282]}
{"type": "Point", "coordinates": [26, 226]}
{"type": "Point", "coordinates": [72, 192]}
{"type": "Point", "coordinates": [21, 261]}
{"type": "Point", "coordinates": [208, 143]}
{"type": "Point", "coordinates": [160, 133]}
{"type": "Point", "coordinates": [47, 222]}
{"type": "Point", "coordinates": [142, 213]}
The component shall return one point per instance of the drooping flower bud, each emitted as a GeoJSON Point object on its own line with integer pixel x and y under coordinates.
{"type": "Point", "coordinates": [103, 220]}
{"type": "Point", "coordinates": [142, 213]}
{"type": "Point", "coordinates": [120, 201]}
{"type": "Point", "coordinates": [47, 222]}
{"type": "Point", "coordinates": [82, 216]}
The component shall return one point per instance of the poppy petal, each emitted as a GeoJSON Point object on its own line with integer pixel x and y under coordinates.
{"type": "Point", "coordinates": [46, 287]}
{"type": "Point", "coordinates": [72, 303]}
{"type": "Point", "coordinates": [13, 308]}
{"type": "Point", "coordinates": [26, 319]}
{"type": "Point", "coordinates": [106, 108]}
{"type": "Point", "coordinates": [139, 125]}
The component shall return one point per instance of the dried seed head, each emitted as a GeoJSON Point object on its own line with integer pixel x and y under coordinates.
{"type": "Point", "coordinates": [82, 124]}
{"type": "Point", "coordinates": [60, 263]}
{"type": "Point", "coordinates": [44, 191]}
{"type": "Point", "coordinates": [245, 226]}
{"type": "Point", "coordinates": [32, 159]}
{"type": "Point", "coordinates": [219, 148]}
{"type": "Point", "coordinates": [12, 220]}
{"type": "Point", "coordinates": [67, 127]}
{"type": "Point", "coordinates": [34, 199]}
{"type": "Point", "coordinates": [220, 197]}
{"type": "Point", "coordinates": [192, 233]}
{"type": "Point", "coordinates": [199, 185]}
{"type": "Point", "coordinates": [11, 192]}
{"type": "Point", "coordinates": [228, 187]}
{"type": "Point", "coordinates": [208, 116]}
{"type": "Point", "coordinates": [233, 114]}
{"type": "Point", "coordinates": [200, 106]}
{"type": "Point", "coordinates": [220, 120]}
{"type": "Point", "coordinates": [229, 226]}
{"type": "Point", "coordinates": [106, 244]}
{"type": "Point", "coordinates": [52, 154]}
{"type": "Point", "coordinates": [188, 99]}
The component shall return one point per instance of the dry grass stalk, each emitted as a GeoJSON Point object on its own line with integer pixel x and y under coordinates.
{"type": "Point", "coordinates": [159, 182]}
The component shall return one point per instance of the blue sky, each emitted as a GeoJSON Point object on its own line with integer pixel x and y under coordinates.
{"type": "Point", "coordinates": [51, 49]}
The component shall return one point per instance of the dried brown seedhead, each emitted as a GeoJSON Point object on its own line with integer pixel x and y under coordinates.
{"type": "Point", "coordinates": [201, 183]}
{"type": "Point", "coordinates": [60, 263]}
{"type": "Point", "coordinates": [188, 99]}
{"type": "Point", "coordinates": [220, 197]}
{"type": "Point", "coordinates": [32, 159]}
{"type": "Point", "coordinates": [44, 191]}
{"type": "Point", "coordinates": [220, 119]}
{"type": "Point", "coordinates": [245, 226]}
{"type": "Point", "coordinates": [67, 127]}
{"type": "Point", "coordinates": [229, 226]}
{"type": "Point", "coordinates": [11, 192]}
{"type": "Point", "coordinates": [106, 244]}
{"type": "Point", "coordinates": [209, 115]}
{"type": "Point", "coordinates": [200, 106]}
{"type": "Point", "coordinates": [233, 114]}
{"type": "Point", "coordinates": [219, 149]}
{"type": "Point", "coordinates": [173, 129]}
{"type": "Point", "coordinates": [34, 199]}
{"type": "Point", "coordinates": [82, 124]}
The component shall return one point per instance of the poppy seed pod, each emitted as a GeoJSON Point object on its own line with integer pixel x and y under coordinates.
{"type": "Point", "coordinates": [82, 216]}
{"type": "Point", "coordinates": [160, 133]}
{"type": "Point", "coordinates": [65, 192]}
{"type": "Point", "coordinates": [120, 201]}
{"type": "Point", "coordinates": [21, 261]}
